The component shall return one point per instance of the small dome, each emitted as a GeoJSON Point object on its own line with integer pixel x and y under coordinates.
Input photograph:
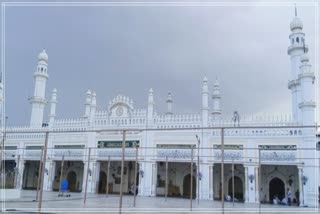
{"type": "Point", "coordinates": [205, 79]}
{"type": "Point", "coordinates": [216, 83]}
{"type": "Point", "coordinates": [304, 58]}
{"type": "Point", "coordinates": [43, 55]}
{"type": "Point", "coordinates": [296, 23]}
{"type": "Point", "coordinates": [54, 90]}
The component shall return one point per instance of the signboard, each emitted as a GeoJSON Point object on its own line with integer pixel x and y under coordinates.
{"type": "Point", "coordinates": [118, 144]}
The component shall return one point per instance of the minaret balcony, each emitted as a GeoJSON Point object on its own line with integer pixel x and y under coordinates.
{"type": "Point", "coordinates": [38, 100]}
{"type": "Point", "coordinates": [299, 46]}
{"type": "Point", "coordinates": [293, 83]}
{"type": "Point", "coordinates": [310, 104]}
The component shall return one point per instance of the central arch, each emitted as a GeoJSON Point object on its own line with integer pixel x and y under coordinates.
{"type": "Point", "coordinates": [276, 188]}
{"type": "Point", "coordinates": [186, 186]}
{"type": "Point", "coordinates": [72, 179]}
{"type": "Point", "coordinates": [238, 188]}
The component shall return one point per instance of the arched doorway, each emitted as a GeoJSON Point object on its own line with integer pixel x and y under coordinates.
{"type": "Point", "coordinates": [72, 179]}
{"type": "Point", "coordinates": [186, 186]}
{"type": "Point", "coordinates": [238, 188]}
{"type": "Point", "coordinates": [102, 182]}
{"type": "Point", "coordinates": [276, 188]}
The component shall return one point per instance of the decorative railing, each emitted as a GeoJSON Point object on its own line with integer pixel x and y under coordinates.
{"type": "Point", "coordinates": [254, 120]}
{"type": "Point", "coordinates": [69, 154]}
{"type": "Point", "coordinates": [115, 153]}
{"type": "Point", "coordinates": [259, 132]}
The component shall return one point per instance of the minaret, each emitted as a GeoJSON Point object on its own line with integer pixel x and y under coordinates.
{"type": "Point", "coordinates": [169, 104]}
{"type": "Point", "coordinates": [38, 101]}
{"type": "Point", "coordinates": [216, 112]}
{"type": "Point", "coordinates": [296, 49]}
{"type": "Point", "coordinates": [93, 107]}
{"type": "Point", "coordinates": [205, 102]}
{"type": "Point", "coordinates": [150, 107]}
{"type": "Point", "coordinates": [53, 102]}
{"type": "Point", "coordinates": [87, 104]}
{"type": "Point", "coordinates": [307, 104]}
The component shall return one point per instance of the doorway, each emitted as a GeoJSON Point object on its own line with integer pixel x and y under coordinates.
{"type": "Point", "coordinates": [276, 188]}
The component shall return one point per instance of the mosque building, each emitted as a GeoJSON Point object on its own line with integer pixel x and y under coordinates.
{"type": "Point", "coordinates": [165, 144]}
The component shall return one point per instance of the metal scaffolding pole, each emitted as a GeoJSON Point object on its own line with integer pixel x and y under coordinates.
{"type": "Point", "coordinates": [39, 175]}
{"type": "Point", "coordinates": [232, 183]}
{"type": "Point", "coordinates": [191, 179]}
{"type": "Point", "coordinates": [166, 188]}
{"type": "Point", "coordinates": [122, 168]}
{"type": "Point", "coordinates": [135, 178]}
{"type": "Point", "coordinates": [107, 180]}
{"type": "Point", "coordinates": [87, 176]}
{"type": "Point", "coordinates": [222, 169]}
{"type": "Point", "coordinates": [259, 181]}
{"type": "Point", "coordinates": [42, 170]}
{"type": "Point", "coordinates": [61, 174]}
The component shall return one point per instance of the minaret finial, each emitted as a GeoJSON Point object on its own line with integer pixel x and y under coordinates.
{"type": "Point", "coordinates": [295, 10]}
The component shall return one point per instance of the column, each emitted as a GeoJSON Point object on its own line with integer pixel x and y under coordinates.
{"type": "Point", "coordinates": [204, 182]}
{"type": "Point", "coordinates": [300, 186]}
{"type": "Point", "coordinates": [211, 194]}
{"type": "Point", "coordinates": [256, 172]}
{"type": "Point", "coordinates": [246, 189]}
{"type": "Point", "coordinates": [252, 184]}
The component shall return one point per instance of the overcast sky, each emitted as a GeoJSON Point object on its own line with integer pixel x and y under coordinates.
{"type": "Point", "coordinates": [127, 50]}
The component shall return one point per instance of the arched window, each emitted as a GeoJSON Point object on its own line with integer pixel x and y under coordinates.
{"type": "Point", "coordinates": [292, 41]}
{"type": "Point", "coordinates": [41, 69]}
{"type": "Point", "coordinates": [297, 39]}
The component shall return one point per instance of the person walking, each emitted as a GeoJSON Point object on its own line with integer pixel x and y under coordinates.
{"type": "Point", "coordinates": [289, 196]}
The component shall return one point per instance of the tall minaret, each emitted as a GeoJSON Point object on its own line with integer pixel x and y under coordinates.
{"type": "Point", "coordinates": [38, 101]}
{"type": "Point", "coordinates": [205, 102]}
{"type": "Point", "coordinates": [169, 102]}
{"type": "Point", "coordinates": [93, 107]}
{"type": "Point", "coordinates": [150, 107]}
{"type": "Point", "coordinates": [53, 102]}
{"type": "Point", "coordinates": [216, 112]}
{"type": "Point", "coordinates": [87, 104]}
{"type": "Point", "coordinates": [296, 49]}
{"type": "Point", "coordinates": [307, 104]}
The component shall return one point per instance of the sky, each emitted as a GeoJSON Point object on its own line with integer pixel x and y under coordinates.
{"type": "Point", "coordinates": [128, 49]}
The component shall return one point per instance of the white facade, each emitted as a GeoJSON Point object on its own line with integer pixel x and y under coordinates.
{"type": "Point", "coordinates": [284, 160]}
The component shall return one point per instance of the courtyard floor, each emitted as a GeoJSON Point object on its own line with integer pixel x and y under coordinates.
{"type": "Point", "coordinates": [99, 203]}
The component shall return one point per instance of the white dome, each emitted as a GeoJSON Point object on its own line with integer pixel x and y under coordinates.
{"type": "Point", "coordinates": [43, 55]}
{"type": "Point", "coordinates": [296, 23]}
{"type": "Point", "coordinates": [304, 58]}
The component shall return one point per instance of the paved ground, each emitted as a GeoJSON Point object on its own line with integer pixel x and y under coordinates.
{"type": "Point", "coordinates": [101, 204]}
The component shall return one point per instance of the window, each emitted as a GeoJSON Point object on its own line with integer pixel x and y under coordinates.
{"type": "Point", "coordinates": [297, 39]}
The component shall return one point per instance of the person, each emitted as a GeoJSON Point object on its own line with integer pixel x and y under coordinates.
{"type": "Point", "coordinates": [284, 201]}
{"type": "Point", "coordinates": [275, 199]}
{"type": "Point", "coordinates": [228, 198]}
{"type": "Point", "coordinates": [132, 189]}
{"type": "Point", "coordinates": [289, 196]}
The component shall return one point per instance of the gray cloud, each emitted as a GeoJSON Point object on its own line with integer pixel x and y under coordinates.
{"type": "Point", "coordinates": [129, 49]}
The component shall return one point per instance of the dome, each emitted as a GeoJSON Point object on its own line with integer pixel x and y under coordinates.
{"type": "Point", "coordinates": [43, 55]}
{"type": "Point", "coordinates": [304, 58]}
{"type": "Point", "coordinates": [296, 23]}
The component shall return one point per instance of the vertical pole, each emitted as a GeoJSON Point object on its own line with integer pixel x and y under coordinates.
{"type": "Point", "coordinates": [166, 189]}
{"type": "Point", "coordinates": [198, 172]}
{"type": "Point", "coordinates": [135, 178]}
{"type": "Point", "coordinates": [86, 185]}
{"type": "Point", "coordinates": [107, 180]}
{"type": "Point", "coordinates": [42, 170]}
{"type": "Point", "coordinates": [17, 173]}
{"type": "Point", "coordinates": [222, 168]}
{"type": "Point", "coordinates": [191, 179]}
{"type": "Point", "coordinates": [39, 174]}
{"type": "Point", "coordinates": [122, 168]}
{"type": "Point", "coordinates": [232, 183]}
{"type": "Point", "coordinates": [61, 174]}
{"type": "Point", "coordinates": [259, 183]}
